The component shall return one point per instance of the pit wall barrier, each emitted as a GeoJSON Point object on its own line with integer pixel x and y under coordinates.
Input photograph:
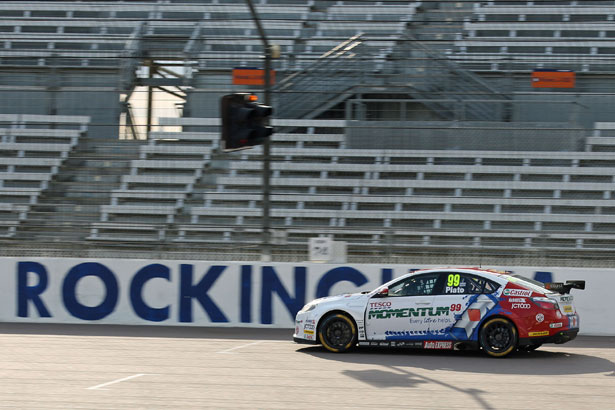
{"type": "Point", "coordinates": [236, 294]}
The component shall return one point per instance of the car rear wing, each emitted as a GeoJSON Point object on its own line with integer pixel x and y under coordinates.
{"type": "Point", "coordinates": [565, 288]}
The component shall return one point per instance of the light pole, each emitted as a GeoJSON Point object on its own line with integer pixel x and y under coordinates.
{"type": "Point", "coordinates": [265, 247]}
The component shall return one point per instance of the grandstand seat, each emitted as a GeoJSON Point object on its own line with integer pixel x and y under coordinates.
{"type": "Point", "coordinates": [32, 149]}
{"type": "Point", "coordinates": [529, 35]}
{"type": "Point", "coordinates": [603, 139]}
{"type": "Point", "coordinates": [430, 198]}
{"type": "Point", "coordinates": [382, 11]}
{"type": "Point", "coordinates": [127, 231]}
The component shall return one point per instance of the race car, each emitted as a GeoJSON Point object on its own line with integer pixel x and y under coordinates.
{"type": "Point", "coordinates": [469, 308]}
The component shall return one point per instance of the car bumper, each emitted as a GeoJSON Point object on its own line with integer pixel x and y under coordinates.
{"type": "Point", "coordinates": [305, 328]}
{"type": "Point", "coordinates": [560, 337]}
{"type": "Point", "coordinates": [304, 341]}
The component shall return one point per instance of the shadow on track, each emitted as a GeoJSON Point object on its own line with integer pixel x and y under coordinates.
{"type": "Point", "coordinates": [400, 367]}
{"type": "Point", "coordinates": [539, 362]}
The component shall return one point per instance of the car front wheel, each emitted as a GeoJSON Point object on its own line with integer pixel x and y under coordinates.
{"type": "Point", "coordinates": [498, 337]}
{"type": "Point", "coordinates": [338, 333]}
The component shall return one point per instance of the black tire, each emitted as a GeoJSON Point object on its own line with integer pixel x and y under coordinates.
{"type": "Point", "coordinates": [338, 333]}
{"type": "Point", "coordinates": [529, 348]}
{"type": "Point", "coordinates": [498, 337]}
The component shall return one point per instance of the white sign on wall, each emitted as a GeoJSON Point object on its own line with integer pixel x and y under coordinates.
{"type": "Point", "coordinates": [248, 294]}
{"type": "Point", "coordinates": [326, 250]}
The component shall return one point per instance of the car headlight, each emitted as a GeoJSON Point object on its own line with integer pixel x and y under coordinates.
{"type": "Point", "coordinates": [308, 307]}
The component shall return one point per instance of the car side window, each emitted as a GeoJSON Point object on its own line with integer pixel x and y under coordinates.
{"type": "Point", "coordinates": [462, 283]}
{"type": "Point", "coordinates": [490, 286]}
{"type": "Point", "coordinates": [415, 285]}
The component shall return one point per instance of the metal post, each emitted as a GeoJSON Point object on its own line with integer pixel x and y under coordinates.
{"type": "Point", "coordinates": [150, 99]}
{"type": "Point", "coordinates": [265, 249]}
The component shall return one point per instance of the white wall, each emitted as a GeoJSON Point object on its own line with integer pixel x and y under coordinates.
{"type": "Point", "coordinates": [246, 294]}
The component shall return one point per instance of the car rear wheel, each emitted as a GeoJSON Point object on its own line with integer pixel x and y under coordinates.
{"type": "Point", "coordinates": [498, 337]}
{"type": "Point", "coordinates": [338, 333]}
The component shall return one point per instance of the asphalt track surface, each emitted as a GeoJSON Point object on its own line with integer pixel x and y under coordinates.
{"type": "Point", "coordinates": [119, 367]}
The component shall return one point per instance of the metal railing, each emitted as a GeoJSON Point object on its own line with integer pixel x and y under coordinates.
{"type": "Point", "coordinates": [325, 82]}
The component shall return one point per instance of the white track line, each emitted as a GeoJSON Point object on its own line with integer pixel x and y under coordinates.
{"type": "Point", "coordinates": [241, 347]}
{"type": "Point", "coordinates": [252, 344]}
{"type": "Point", "coordinates": [98, 387]}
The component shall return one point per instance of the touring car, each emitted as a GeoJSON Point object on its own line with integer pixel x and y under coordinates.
{"type": "Point", "coordinates": [469, 308]}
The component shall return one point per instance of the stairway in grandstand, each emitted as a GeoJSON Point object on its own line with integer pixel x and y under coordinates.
{"type": "Point", "coordinates": [409, 58]}
{"type": "Point", "coordinates": [72, 201]}
{"type": "Point", "coordinates": [331, 49]}
{"type": "Point", "coordinates": [321, 85]}
{"type": "Point", "coordinates": [151, 195]}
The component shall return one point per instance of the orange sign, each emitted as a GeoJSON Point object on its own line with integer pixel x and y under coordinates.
{"type": "Point", "coordinates": [553, 79]}
{"type": "Point", "coordinates": [251, 76]}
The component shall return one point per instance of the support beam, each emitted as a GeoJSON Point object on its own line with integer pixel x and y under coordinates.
{"type": "Point", "coordinates": [266, 248]}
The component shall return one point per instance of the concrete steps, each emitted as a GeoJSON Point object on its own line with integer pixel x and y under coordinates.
{"type": "Point", "coordinates": [72, 201]}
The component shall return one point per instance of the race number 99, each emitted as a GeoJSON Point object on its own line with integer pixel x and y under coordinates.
{"type": "Point", "coordinates": [453, 280]}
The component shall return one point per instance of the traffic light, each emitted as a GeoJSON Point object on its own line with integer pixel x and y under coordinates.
{"type": "Point", "coordinates": [244, 121]}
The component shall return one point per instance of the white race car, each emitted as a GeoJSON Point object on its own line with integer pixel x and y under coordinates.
{"type": "Point", "coordinates": [448, 308]}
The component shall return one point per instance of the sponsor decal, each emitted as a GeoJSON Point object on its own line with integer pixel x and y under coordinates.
{"type": "Point", "coordinates": [438, 344]}
{"type": "Point", "coordinates": [450, 289]}
{"type": "Point", "coordinates": [409, 344]}
{"type": "Point", "coordinates": [517, 292]}
{"type": "Point", "coordinates": [309, 326]}
{"type": "Point", "coordinates": [574, 321]}
{"type": "Point", "coordinates": [443, 320]}
{"type": "Point", "coordinates": [549, 78]}
{"type": "Point", "coordinates": [251, 76]}
{"type": "Point", "coordinates": [456, 307]}
{"type": "Point", "coordinates": [520, 306]}
{"type": "Point", "coordinates": [566, 299]}
{"type": "Point", "coordinates": [540, 317]}
{"type": "Point", "coordinates": [309, 337]}
{"type": "Point", "coordinates": [308, 332]}
{"type": "Point", "coordinates": [381, 344]}
{"type": "Point", "coordinates": [397, 333]}
{"type": "Point", "coordinates": [568, 308]}
{"type": "Point", "coordinates": [454, 284]}
{"type": "Point", "coordinates": [409, 312]}
{"type": "Point", "coordinates": [555, 325]}
{"type": "Point", "coordinates": [474, 315]}
{"type": "Point", "coordinates": [361, 328]}
{"type": "Point", "coordinates": [517, 300]}
{"type": "Point", "coordinates": [379, 304]}
{"type": "Point", "coordinates": [534, 334]}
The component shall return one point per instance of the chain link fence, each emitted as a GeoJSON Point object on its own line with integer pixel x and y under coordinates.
{"type": "Point", "coordinates": [401, 133]}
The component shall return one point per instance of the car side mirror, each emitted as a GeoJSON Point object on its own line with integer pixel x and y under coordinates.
{"type": "Point", "coordinates": [383, 293]}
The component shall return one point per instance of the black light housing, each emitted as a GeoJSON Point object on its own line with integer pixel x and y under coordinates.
{"type": "Point", "coordinates": [244, 121]}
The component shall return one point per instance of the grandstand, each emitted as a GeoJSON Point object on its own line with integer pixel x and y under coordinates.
{"type": "Point", "coordinates": [406, 129]}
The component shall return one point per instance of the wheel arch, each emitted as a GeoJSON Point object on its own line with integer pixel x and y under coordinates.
{"type": "Point", "coordinates": [333, 312]}
{"type": "Point", "coordinates": [511, 348]}
{"type": "Point", "coordinates": [497, 315]}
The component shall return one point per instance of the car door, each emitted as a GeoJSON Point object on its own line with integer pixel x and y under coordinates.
{"type": "Point", "coordinates": [406, 313]}
{"type": "Point", "coordinates": [464, 298]}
